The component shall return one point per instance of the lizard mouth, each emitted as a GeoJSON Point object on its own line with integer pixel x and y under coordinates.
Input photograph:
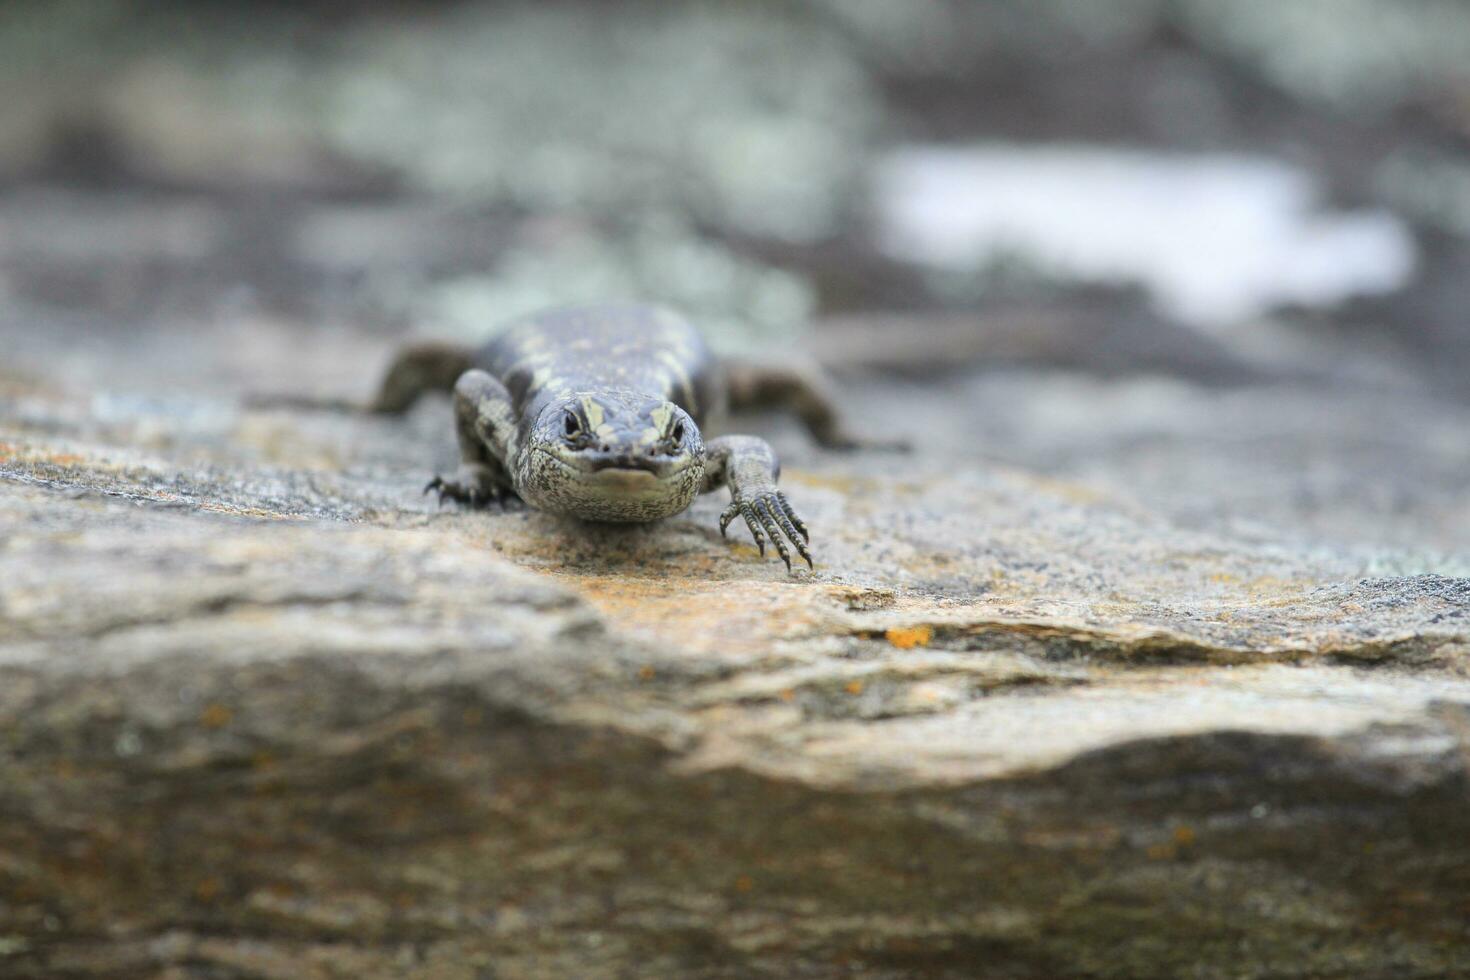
{"type": "Point", "coordinates": [621, 467]}
{"type": "Point", "coordinates": [603, 462]}
{"type": "Point", "coordinates": [613, 488]}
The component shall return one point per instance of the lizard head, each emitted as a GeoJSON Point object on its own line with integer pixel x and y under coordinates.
{"type": "Point", "coordinates": [611, 456]}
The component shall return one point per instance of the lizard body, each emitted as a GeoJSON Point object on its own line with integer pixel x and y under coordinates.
{"type": "Point", "coordinates": [596, 412]}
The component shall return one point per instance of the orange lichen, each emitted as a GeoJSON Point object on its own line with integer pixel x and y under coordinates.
{"type": "Point", "coordinates": [908, 637]}
{"type": "Point", "coordinates": [9, 451]}
{"type": "Point", "coordinates": [853, 687]}
{"type": "Point", "coordinates": [729, 616]}
{"type": "Point", "coordinates": [215, 716]}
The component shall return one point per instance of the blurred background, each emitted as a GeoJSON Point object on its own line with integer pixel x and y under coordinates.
{"type": "Point", "coordinates": [1214, 253]}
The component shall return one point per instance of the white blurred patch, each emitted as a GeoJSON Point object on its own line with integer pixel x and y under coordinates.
{"type": "Point", "coordinates": [1214, 239]}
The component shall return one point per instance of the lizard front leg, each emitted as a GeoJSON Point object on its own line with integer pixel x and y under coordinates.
{"type": "Point", "coordinates": [749, 468]}
{"type": "Point", "coordinates": [483, 420]}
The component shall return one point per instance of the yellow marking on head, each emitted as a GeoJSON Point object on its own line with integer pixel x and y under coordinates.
{"type": "Point", "coordinates": [662, 416]}
{"type": "Point", "coordinates": [594, 413]}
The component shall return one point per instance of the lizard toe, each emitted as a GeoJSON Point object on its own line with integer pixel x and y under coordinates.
{"type": "Point", "coordinates": [753, 522]}
{"type": "Point", "coordinates": [790, 512]}
{"type": "Point", "coordinates": [730, 513]}
{"type": "Point", "coordinates": [786, 520]}
{"type": "Point", "coordinates": [762, 508]}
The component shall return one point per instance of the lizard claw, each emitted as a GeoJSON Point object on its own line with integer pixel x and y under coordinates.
{"type": "Point", "coordinates": [467, 488]}
{"type": "Point", "coordinates": [439, 484]}
{"type": "Point", "coordinates": [729, 515]}
{"type": "Point", "coordinates": [769, 515]}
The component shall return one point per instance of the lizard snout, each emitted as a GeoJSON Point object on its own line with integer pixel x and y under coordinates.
{"type": "Point", "coordinates": [613, 459]}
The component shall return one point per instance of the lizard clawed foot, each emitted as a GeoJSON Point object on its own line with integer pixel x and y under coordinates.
{"type": "Point", "coordinates": [470, 487]}
{"type": "Point", "coordinates": [768, 512]}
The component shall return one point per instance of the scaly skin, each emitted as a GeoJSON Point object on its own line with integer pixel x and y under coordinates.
{"type": "Point", "coordinates": [596, 413]}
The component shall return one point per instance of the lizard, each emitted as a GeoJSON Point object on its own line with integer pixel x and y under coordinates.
{"type": "Point", "coordinates": [596, 412]}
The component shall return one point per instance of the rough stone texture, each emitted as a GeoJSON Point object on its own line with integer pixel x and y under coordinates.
{"type": "Point", "coordinates": [1151, 660]}
{"type": "Point", "coordinates": [268, 713]}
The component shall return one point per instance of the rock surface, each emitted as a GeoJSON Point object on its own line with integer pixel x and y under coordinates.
{"type": "Point", "coordinates": [1151, 660]}
{"type": "Point", "coordinates": [269, 713]}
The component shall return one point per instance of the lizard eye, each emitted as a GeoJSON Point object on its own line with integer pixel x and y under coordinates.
{"type": "Point", "coordinates": [572, 424]}
{"type": "Point", "coordinates": [678, 434]}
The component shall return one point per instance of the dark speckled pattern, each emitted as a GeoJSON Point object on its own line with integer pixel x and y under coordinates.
{"type": "Point", "coordinates": [647, 349]}
{"type": "Point", "coordinates": [594, 412]}
{"type": "Point", "coordinates": [633, 378]}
